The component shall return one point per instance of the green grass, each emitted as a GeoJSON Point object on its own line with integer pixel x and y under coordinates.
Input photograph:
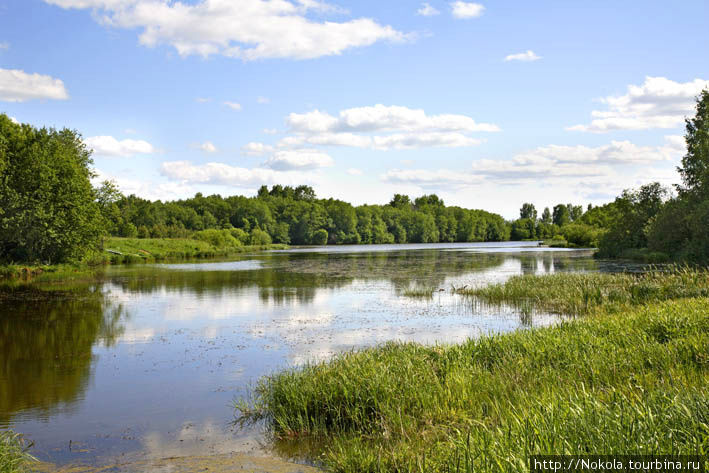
{"type": "Point", "coordinates": [157, 249]}
{"type": "Point", "coordinates": [419, 292]}
{"type": "Point", "coordinates": [13, 453]}
{"type": "Point", "coordinates": [582, 293]}
{"type": "Point", "coordinates": [124, 251]}
{"type": "Point", "coordinates": [630, 379]}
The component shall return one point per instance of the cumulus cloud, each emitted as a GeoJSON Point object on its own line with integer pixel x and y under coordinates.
{"type": "Point", "coordinates": [246, 29]}
{"type": "Point", "coordinates": [208, 147]}
{"type": "Point", "coordinates": [298, 160]}
{"type": "Point", "coordinates": [14, 120]}
{"type": "Point", "coordinates": [233, 105]}
{"type": "Point", "coordinates": [464, 10]}
{"type": "Point", "coordinates": [657, 103]}
{"type": "Point", "coordinates": [380, 118]}
{"type": "Point", "coordinates": [223, 174]}
{"type": "Point", "coordinates": [527, 56]}
{"type": "Point", "coordinates": [427, 10]}
{"type": "Point", "coordinates": [110, 146]}
{"type": "Point", "coordinates": [19, 86]}
{"type": "Point", "coordinates": [382, 127]}
{"type": "Point", "coordinates": [548, 163]}
{"type": "Point", "coordinates": [256, 149]}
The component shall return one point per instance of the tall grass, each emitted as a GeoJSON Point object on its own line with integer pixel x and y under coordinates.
{"type": "Point", "coordinates": [13, 453]}
{"type": "Point", "coordinates": [582, 293]}
{"type": "Point", "coordinates": [633, 381]}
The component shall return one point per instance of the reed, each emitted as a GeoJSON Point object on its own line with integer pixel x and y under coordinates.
{"type": "Point", "coordinates": [14, 457]}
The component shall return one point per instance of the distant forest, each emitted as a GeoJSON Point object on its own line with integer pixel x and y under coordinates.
{"type": "Point", "coordinates": [50, 212]}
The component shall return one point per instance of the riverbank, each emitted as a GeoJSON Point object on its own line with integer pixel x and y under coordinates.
{"type": "Point", "coordinates": [630, 376]}
{"type": "Point", "coordinates": [128, 251]}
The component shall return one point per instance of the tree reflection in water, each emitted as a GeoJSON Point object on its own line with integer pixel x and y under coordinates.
{"type": "Point", "coordinates": [46, 341]}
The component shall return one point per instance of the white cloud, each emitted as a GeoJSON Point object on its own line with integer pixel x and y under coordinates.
{"type": "Point", "coordinates": [464, 10]}
{"type": "Point", "coordinates": [263, 100]}
{"type": "Point", "coordinates": [270, 131]}
{"type": "Point", "coordinates": [4, 46]}
{"type": "Point", "coordinates": [439, 179]}
{"type": "Point", "coordinates": [203, 100]}
{"type": "Point", "coordinates": [427, 10]}
{"type": "Point", "coordinates": [19, 86]}
{"type": "Point", "coordinates": [298, 160]}
{"type": "Point", "coordinates": [527, 56]}
{"type": "Point", "coordinates": [657, 103]}
{"type": "Point", "coordinates": [246, 29]}
{"type": "Point", "coordinates": [380, 118]}
{"type": "Point", "coordinates": [382, 127]}
{"type": "Point", "coordinates": [223, 174]}
{"type": "Point", "coordinates": [208, 147]}
{"type": "Point", "coordinates": [110, 146]}
{"type": "Point", "coordinates": [354, 172]}
{"type": "Point", "coordinates": [595, 165]}
{"type": "Point", "coordinates": [14, 120]}
{"type": "Point", "coordinates": [233, 105]}
{"type": "Point", "coordinates": [256, 149]}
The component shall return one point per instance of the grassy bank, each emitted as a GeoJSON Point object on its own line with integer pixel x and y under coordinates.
{"type": "Point", "coordinates": [13, 453]}
{"type": "Point", "coordinates": [132, 250]}
{"type": "Point", "coordinates": [127, 251]}
{"type": "Point", "coordinates": [627, 378]}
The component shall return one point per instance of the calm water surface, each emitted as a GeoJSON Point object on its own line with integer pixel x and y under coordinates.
{"type": "Point", "coordinates": [145, 363]}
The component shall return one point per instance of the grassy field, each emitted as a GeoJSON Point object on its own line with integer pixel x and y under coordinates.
{"type": "Point", "coordinates": [631, 376]}
{"type": "Point", "coordinates": [13, 455]}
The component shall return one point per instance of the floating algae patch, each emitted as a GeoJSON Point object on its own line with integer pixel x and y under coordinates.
{"type": "Point", "coordinates": [213, 463]}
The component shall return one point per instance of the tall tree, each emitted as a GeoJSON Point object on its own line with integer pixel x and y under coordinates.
{"type": "Point", "coordinates": [49, 209]}
{"type": "Point", "coordinates": [528, 211]}
{"type": "Point", "coordinates": [695, 164]}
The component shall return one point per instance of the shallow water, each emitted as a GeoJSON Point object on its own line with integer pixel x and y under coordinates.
{"type": "Point", "coordinates": [145, 363]}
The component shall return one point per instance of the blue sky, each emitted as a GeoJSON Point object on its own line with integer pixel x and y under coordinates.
{"type": "Point", "coordinates": [488, 104]}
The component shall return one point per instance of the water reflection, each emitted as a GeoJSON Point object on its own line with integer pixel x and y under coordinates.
{"type": "Point", "coordinates": [78, 367]}
{"type": "Point", "coordinates": [46, 348]}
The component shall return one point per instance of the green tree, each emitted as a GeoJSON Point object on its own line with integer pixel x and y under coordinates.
{"type": "Point", "coordinates": [695, 164]}
{"type": "Point", "coordinates": [546, 216]}
{"type": "Point", "coordinates": [528, 211]}
{"type": "Point", "coordinates": [561, 215]}
{"type": "Point", "coordinates": [49, 210]}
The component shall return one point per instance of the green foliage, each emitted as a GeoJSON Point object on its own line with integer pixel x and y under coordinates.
{"type": "Point", "coordinates": [580, 235]}
{"type": "Point", "coordinates": [259, 238]}
{"type": "Point", "coordinates": [612, 383]}
{"type": "Point", "coordinates": [561, 215]}
{"type": "Point", "coordinates": [320, 237]}
{"type": "Point", "coordinates": [528, 211]}
{"type": "Point", "coordinates": [218, 238]}
{"type": "Point", "coordinates": [295, 216]}
{"type": "Point", "coordinates": [48, 208]}
{"type": "Point", "coordinates": [14, 457]}
{"type": "Point", "coordinates": [634, 211]}
{"type": "Point", "coordinates": [680, 228]}
{"type": "Point", "coordinates": [523, 229]}
{"type": "Point", "coordinates": [695, 164]}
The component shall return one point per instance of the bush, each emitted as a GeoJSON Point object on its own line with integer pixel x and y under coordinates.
{"type": "Point", "coordinates": [582, 236]}
{"type": "Point", "coordinates": [259, 238]}
{"type": "Point", "coordinates": [319, 237]}
{"type": "Point", "coordinates": [218, 238]}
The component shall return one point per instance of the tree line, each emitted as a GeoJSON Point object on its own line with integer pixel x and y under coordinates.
{"type": "Point", "coordinates": [50, 212]}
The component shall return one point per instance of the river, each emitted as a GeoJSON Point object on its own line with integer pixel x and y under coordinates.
{"type": "Point", "coordinates": [144, 362]}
